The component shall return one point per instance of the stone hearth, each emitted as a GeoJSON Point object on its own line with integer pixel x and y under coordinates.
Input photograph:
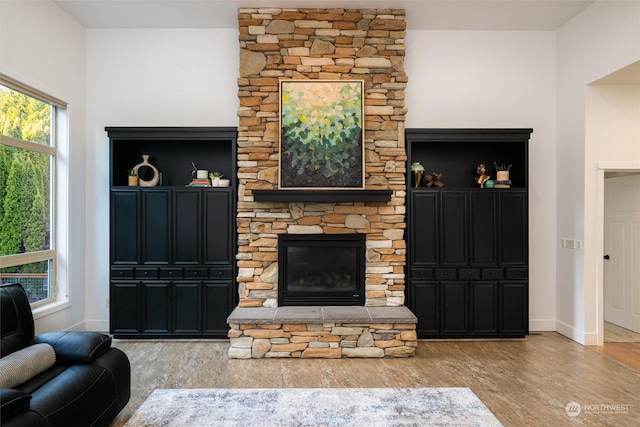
{"type": "Point", "coordinates": [325, 332]}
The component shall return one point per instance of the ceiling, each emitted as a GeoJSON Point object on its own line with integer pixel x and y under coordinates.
{"type": "Point", "coordinates": [421, 14]}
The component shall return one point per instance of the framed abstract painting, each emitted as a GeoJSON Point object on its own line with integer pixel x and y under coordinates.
{"type": "Point", "coordinates": [321, 134]}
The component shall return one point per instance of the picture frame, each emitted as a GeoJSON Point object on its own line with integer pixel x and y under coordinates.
{"type": "Point", "coordinates": [321, 134]}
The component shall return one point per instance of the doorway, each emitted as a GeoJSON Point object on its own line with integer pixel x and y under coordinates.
{"type": "Point", "coordinates": [621, 259]}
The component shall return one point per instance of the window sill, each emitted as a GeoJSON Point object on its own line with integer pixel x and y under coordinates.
{"type": "Point", "coordinates": [49, 309]}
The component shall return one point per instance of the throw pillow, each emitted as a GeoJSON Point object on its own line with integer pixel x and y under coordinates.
{"type": "Point", "coordinates": [24, 364]}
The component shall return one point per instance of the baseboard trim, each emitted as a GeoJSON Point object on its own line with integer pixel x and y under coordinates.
{"type": "Point", "coordinates": [582, 337]}
{"type": "Point", "coordinates": [542, 325]}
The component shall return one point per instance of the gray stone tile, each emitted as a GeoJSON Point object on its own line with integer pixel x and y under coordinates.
{"type": "Point", "coordinates": [317, 314]}
{"type": "Point", "coordinates": [258, 315]}
{"type": "Point", "coordinates": [391, 315]}
{"type": "Point", "coordinates": [346, 314]}
{"type": "Point", "coordinates": [299, 314]}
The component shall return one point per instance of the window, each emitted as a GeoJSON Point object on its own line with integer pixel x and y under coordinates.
{"type": "Point", "coordinates": [28, 153]}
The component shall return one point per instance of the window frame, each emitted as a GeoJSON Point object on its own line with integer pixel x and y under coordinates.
{"type": "Point", "coordinates": [58, 111]}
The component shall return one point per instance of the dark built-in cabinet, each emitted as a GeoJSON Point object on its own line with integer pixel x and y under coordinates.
{"type": "Point", "coordinates": [171, 246]}
{"type": "Point", "coordinates": [468, 246]}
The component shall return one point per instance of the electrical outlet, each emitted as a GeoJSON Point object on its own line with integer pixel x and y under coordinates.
{"type": "Point", "coordinates": [106, 302]}
{"type": "Point", "coordinates": [571, 243]}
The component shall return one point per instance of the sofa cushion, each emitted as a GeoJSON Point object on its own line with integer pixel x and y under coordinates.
{"type": "Point", "coordinates": [21, 365]}
{"type": "Point", "coordinates": [12, 401]}
{"type": "Point", "coordinates": [75, 347]}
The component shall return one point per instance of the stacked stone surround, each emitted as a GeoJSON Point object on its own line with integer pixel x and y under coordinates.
{"type": "Point", "coordinates": [332, 44]}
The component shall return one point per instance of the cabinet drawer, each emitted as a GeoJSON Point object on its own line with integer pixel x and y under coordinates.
{"type": "Point", "coordinates": [122, 273]}
{"type": "Point", "coordinates": [171, 273]}
{"type": "Point", "coordinates": [517, 273]}
{"type": "Point", "coordinates": [446, 273]}
{"type": "Point", "coordinates": [146, 273]}
{"type": "Point", "coordinates": [197, 272]}
{"type": "Point", "coordinates": [421, 273]}
{"type": "Point", "coordinates": [469, 273]}
{"type": "Point", "coordinates": [220, 273]}
{"type": "Point", "coordinates": [492, 273]}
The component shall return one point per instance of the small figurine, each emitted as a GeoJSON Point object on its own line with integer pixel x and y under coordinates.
{"type": "Point", "coordinates": [433, 180]}
{"type": "Point", "coordinates": [482, 175]}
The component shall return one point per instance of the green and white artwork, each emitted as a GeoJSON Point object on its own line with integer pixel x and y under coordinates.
{"type": "Point", "coordinates": [321, 134]}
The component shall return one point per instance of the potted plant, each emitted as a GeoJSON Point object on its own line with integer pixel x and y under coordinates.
{"type": "Point", "coordinates": [215, 178]}
{"type": "Point", "coordinates": [133, 178]}
{"type": "Point", "coordinates": [502, 172]}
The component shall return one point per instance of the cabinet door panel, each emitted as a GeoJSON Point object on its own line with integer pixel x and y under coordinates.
{"type": "Point", "coordinates": [218, 243]}
{"type": "Point", "coordinates": [482, 210]}
{"type": "Point", "coordinates": [454, 307]}
{"type": "Point", "coordinates": [125, 222]}
{"type": "Point", "coordinates": [124, 307]}
{"type": "Point", "coordinates": [426, 307]}
{"type": "Point", "coordinates": [484, 307]}
{"type": "Point", "coordinates": [187, 307]}
{"type": "Point", "coordinates": [187, 227]}
{"type": "Point", "coordinates": [514, 302]}
{"type": "Point", "coordinates": [454, 227]}
{"type": "Point", "coordinates": [513, 228]}
{"type": "Point", "coordinates": [216, 307]}
{"type": "Point", "coordinates": [155, 226]}
{"type": "Point", "coordinates": [157, 308]}
{"type": "Point", "coordinates": [424, 229]}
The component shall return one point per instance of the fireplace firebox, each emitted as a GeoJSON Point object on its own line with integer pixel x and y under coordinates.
{"type": "Point", "coordinates": [320, 269]}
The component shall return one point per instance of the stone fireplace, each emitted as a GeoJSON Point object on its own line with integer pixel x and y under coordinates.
{"type": "Point", "coordinates": [333, 44]}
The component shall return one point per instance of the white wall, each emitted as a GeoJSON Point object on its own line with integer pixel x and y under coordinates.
{"type": "Point", "coordinates": [473, 79]}
{"type": "Point", "coordinates": [500, 79]}
{"type": "Point", "coordinates": [166, 77]}
{"type": "Point", "coordinates": [602, 39]}
{"type": "Point", "coordinates": [43, 47]}
{"type": "Point", "coordinates": [456, 79]}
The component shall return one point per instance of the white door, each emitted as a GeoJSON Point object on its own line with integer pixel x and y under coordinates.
{"type": "Point", "coordinates": [622, 252]}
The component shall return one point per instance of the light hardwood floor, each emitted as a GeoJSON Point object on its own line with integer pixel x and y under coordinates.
{"type": "Point", "coordinates": [526, 382]}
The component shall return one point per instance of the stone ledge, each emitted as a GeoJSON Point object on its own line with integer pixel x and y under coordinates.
{"type": "Point", "coordinates": [321, 315]}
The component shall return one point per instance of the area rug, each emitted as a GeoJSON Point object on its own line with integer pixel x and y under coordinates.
{"type": "Point", "coordinates": [350, 407]}
{"type": "Point", "coordinates": [615, 333]}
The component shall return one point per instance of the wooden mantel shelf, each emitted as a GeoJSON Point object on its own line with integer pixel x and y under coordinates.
{"type": "Point", "coordinates": [322, 196]}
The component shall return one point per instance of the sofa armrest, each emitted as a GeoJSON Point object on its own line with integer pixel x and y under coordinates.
{"type": "Point", "coordinates": [75, 347]}
{"type": "Point", "coordinates": [12, 401]}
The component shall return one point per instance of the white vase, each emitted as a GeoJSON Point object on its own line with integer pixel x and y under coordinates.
{"type": "Point", "coordinates": [145, 163]}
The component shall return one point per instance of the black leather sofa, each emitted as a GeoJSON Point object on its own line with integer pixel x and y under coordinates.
{"type": "Point", "coordinates": [88, 384]}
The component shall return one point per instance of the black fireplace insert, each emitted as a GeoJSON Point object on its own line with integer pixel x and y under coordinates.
{"type": "Point", "coordinates": [321, 269]}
